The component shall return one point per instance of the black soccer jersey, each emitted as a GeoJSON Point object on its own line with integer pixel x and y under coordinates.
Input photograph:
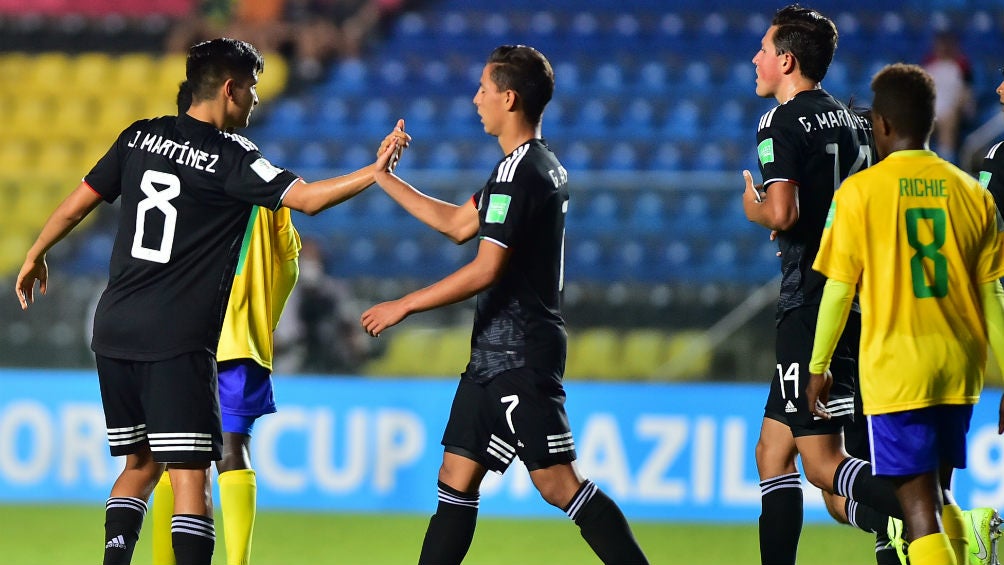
{"type": "Point", "coordinates": [186, 191]}
{"type": "Point", "coordinates": [815, 142]}
{"type": "Point", "coordinates": [518, 320]}
{"type": "Point", "coordinates": [992, 173]}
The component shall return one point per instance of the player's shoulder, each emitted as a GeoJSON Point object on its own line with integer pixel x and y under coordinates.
{"type": "Point", "coordinates": [996, 153]}
{"type": "Point", "coordinates": [237, 142]}
{"type": "Point", "coordinates": [526, 162]}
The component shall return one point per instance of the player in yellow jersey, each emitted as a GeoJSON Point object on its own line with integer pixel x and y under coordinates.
{"type": "Point", "coordinates": [920, 241]}
{"type": "Point", "coordinates": [265, 276]}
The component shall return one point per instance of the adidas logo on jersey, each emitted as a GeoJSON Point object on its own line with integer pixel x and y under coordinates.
{"type": "Point", "coordinates": [117, 542]}
{"type": "Point", "coordinates": [789, 408]}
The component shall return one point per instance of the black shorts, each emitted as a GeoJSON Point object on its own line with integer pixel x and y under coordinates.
{"type": "Point", "coordinates": [786, 402]}
{"type": "Point", "coordinates": [521, 412]}
{"type": "Point", "coordinates": [172, 404]}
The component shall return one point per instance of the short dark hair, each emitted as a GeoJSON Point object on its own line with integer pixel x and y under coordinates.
{"type": "Point", "coordinates": [526, 71]}
{"type": "Point", "coordinates": [184, 99]}
{"type": "Point", "coordinates": [904, 96]}
{"type": "Point", "coordinates": [212, 62]}
{"type": "Point", "coordinates": [809, 36]}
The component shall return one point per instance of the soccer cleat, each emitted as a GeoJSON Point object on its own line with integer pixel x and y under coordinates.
{"type": "Point", "coordinates": [984, 530]}
{"type": "Point", "coordinates": [894, 530]}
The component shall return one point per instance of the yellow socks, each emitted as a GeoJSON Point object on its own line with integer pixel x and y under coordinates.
{"type": "Point", "coordinates": [954, 524]}
{"type": "Point", "coordinates": [933, 549]}
{"type": "Point", "coordinates": [238, 496]}
{"type": "Point", "coordinates": [161, 513]}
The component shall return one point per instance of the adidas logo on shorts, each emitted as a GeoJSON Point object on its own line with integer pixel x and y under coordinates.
{"type": "Point", "coordinates": [789, 408]}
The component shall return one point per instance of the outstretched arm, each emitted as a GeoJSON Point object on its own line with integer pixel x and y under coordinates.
{"type": "Point", "coordinates": [64, 218]}
{"type": "Point", "coordinates": [314, 197]}
{"type": "Point", "coordinates": [472, 278]}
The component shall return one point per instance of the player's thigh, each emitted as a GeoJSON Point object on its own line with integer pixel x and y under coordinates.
{"type": "Point", "coordinates": [919, 441]}
{"type": "Point", "coordinates": [121, 383]}
{"type": "Point", "coordinates": [786, 401]}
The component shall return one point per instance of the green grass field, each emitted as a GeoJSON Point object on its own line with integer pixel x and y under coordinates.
{"type": "Point", "coordinates": [71, 535]}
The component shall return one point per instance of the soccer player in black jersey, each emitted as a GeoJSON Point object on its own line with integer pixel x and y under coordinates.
{"type": "Point", "coordinates": [806, 146]}
{"type": "Point", "coordinates": [992, 171]}
{"type": "Point", "coordinates": [510, 399]}
{"type": "Point", "coordinates": [187, 188]}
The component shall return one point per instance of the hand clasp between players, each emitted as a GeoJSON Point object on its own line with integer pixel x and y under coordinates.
{"type": "Point", "coordinates": [391, 148]}
{"type": "Point", "coordinates": [817, 394]}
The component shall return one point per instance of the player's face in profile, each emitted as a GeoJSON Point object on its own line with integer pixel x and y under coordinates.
{"type": "Point", "coordinates": [489, 102]}
{"type": "Point", "coordinates": [768, 65]}
{"type": "Point", "coordinates": [245, 96]}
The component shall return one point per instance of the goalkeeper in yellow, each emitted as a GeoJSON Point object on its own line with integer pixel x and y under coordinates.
{"type": "Point", "coordinates": [921, 242]}
{"type": "Point", "coordinates": [266, 272]}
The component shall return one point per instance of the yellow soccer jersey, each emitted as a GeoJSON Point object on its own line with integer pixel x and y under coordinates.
{"type": "Point", "coordinates": [261, 287]}
{"type": "Point", "coordinates": [918, 236]}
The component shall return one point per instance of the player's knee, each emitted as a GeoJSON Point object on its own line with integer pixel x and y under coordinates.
{"type": "Point", "coordinates": [772, 460]}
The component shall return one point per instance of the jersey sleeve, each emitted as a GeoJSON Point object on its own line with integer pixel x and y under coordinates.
{"type": "Point", "coordinates": [504, 209]}
{"type": "Point", "coordinates": [287, 239]}
{"type": "Point", "coordinates": [106, 176]}
{"type": "Point", "coordinates": [839, 255]}
{"type": "Point", "coordinates": [257, 181]}
{"type": "Point", "coordinates": [777, 149]}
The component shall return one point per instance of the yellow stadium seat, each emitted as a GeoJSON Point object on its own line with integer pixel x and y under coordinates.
{"type": "Point", "coordinates": [689, 356]}
{"type": "Point", "coordinates": [272, 81]}
{"type": "Point", "coordinates": [90, 73]}
{"type": "Point", "coordinates": [14, 66]}
{"type": "Point", "coordinates": [450, 352]}
{"type": "Point", "coordinates": [132, 73]}
{"type": "Point", "coordinates": [16, 155]}
{"type": "Point", "coordinates": [406, 354]}
{"type": "Point", "coordinates": [593, 353]}
{"type": "Point", "coordinates": [48, 74]}
{"type": "Point", "coordinates": [30, 118]}
{"type": "Point", "coordinates": [13, 246]}
{"type": "Point", "coordinates": [61, 158]}
{"type": "Point", "coordinates": [644, 353]}
{"type": "Point", "coordinates": [168, 73]}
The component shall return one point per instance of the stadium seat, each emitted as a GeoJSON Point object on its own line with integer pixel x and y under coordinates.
{"type": "Point", "coordinates": [91, 73]}
{"type": "Point", "coordinates": [644, 353]}
{"type": "Point", "coordinates": [593, 353]}
{"type": "Point", "coordinates": [406, 353]}
{"type": "Point", "coordinates": [688, 356]}
{"type": "Point", "coordinates": [450, 352]}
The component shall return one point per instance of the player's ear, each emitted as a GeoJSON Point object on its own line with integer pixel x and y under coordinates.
{"type": "Point", "coordinates": [510, 99]}
{"type": "Point", "coordinates": [228, 88]}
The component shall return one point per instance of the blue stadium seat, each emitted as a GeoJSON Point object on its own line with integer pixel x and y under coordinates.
{"type": "Point", "coordinates": [683, 120]}
{"type": "Point", "coordinates": [620, 156]}
{"type": "Point", "coordinates": [648, 213]}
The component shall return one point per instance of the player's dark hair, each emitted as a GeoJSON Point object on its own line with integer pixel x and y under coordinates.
{"type": "Point", "coordinates": [904, 95]}
{"type": "Point", "coordinates": [212, 62]}
{"type": "Point", "coordinates": [527, 72]}
{"type": "Point", "coordinates": [184, 99]}
{"type": "Point", "coordinates": [809, 36]}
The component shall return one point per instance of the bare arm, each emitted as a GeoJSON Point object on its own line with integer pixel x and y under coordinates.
{"type": "Point", "coordinates": [457, 222]}
{"type": "Point", "coordinates": [314, 197]}
{"type": "Point", "coordinates": [81, 202]}
{"type": "Point", "coordinates": [777, 210]}
{"type": "Point", "coordinates": [472, 278]}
